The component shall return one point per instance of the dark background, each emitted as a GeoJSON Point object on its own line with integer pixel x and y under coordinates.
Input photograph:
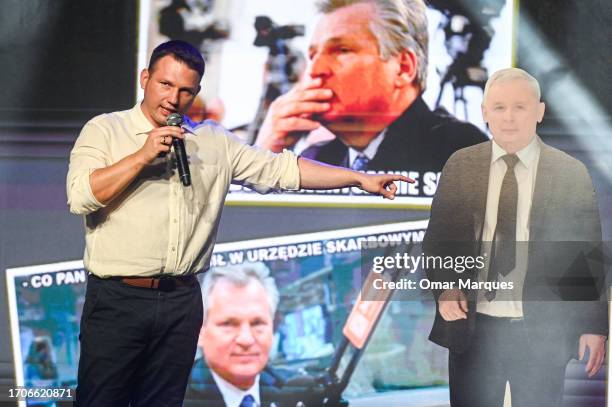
{"type": "Point", "coordinates": [63, 62]}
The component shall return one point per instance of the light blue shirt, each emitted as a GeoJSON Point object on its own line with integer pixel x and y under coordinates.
{"type": "Point", "coordinates": [369, 151]}
{"type": "Point", "coordinates": [232, 395]}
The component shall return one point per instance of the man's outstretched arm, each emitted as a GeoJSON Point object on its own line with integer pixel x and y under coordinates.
{"type": "Point", "coordinates": [316, 175]}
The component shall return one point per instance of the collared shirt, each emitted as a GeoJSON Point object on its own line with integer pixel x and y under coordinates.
{"type": "Point", "coordinates": [369, 151]}
{"type": "Point", "coordinates": [232, 395]}
{"type": "Point", "coordinates": [158, 226]}
{"type": "Point", "coordinates": [508, 303]}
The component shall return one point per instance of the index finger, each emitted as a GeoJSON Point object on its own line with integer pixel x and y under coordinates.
{"type": "Point", "coordinates": [589, 368]}
{"type": "Point", "coordinates": [403, 178]}
{"type": "Point", "coordinates": [459, 310]}
{"type": "Point", "coordinates": [596, 366]}
{"type": "Point", "coordinates": [456, 312]}
{"type": "Point", "coordinates": [167, 129]}
{"type": "Point", "coordinates": [596, 357]}
{"type": "Point", "coordinates": [312, 83]}
{"type": "Point", "coordinates": [173, 131]}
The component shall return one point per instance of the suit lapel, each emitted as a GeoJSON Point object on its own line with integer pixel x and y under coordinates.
{"type": "Point", "coordinates": [336, 153]}
{"type": "Point", "coordinates": [479, 183]}
{"type": "Point", "coordinates": [541, 194]}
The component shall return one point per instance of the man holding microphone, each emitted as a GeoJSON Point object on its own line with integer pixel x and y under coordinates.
{"type": "Point", "coordinates": [147, 234]}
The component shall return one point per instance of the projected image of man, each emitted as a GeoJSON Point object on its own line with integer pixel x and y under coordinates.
{"type": "Point", "coordinates": [236, 337]}
{"type": "Point", "coordinates": [367, 73]}
{"type": "Point", "coordinates": [532, 211]}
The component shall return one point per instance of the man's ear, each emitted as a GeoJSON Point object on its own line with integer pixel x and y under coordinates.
{"type": "Point", "coordinates": [144, 78]}
{"type": "Point", "coordinates": [408, 68]}
{"type": "Point", "coordinates": [484, 113]}
{"type": "Point", "coordinates": [541, 110]}
{"type": "Point", "coordinates": [201, 337]}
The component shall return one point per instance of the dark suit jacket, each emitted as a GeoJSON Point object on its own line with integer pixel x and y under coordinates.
{"type": "Point", "coordinates": [202, 389]}
{"type": "Point", "coordinates": [419, 140]}
{"type": "Point", "coordinates": [564, 280]}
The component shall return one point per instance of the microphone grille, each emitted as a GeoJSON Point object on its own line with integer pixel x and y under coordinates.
{"type": "Point", "coordinates": [174, 119]}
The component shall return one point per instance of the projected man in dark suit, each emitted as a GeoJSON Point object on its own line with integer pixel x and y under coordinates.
{"type": "Point", "coordinates": [236, 337]}
{"type": "Point", "coordinates": [367, 73]}
{"type": "Point", "coordinates": [517, 189]}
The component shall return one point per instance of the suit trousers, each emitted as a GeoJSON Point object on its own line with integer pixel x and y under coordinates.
{"type": "Point", "coordinates": [137, 344]}
{"type": "Point", "coordinates": [500, 351]}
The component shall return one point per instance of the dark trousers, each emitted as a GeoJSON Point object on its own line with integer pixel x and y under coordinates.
{"type": "Point", "coordinates": [137, 344]}
{"type": "Point", "coordinates": [500, 351]}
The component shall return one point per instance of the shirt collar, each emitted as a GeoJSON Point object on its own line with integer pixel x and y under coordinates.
{"type": "Point", "coordinates": [370, 150]}
{"type": "Point", "coordinates": [232, 395]}
{"type": "Point", "coordinates": [527, 155]}
{"type": "Point", "coordinates": [140, 121]}
{"type": "Point", "coordinates": [143, 125]}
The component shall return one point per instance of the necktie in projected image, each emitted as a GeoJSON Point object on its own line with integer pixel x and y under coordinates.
{"type": "Point", "coordinates": [248, 401]}
{"type": "Point", "coordinates": [503, 252]}
{"type": "Point", "coordinates": [360, 163]}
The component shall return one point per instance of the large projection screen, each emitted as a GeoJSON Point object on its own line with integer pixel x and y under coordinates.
{"type": "Point", "coordinates": [236, 73]}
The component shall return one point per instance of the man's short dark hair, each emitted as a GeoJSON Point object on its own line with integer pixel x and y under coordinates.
{"type": "Point", "coordinates": [181, 51]}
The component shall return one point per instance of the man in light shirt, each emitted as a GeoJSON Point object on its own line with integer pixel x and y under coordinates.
{"type": "Point", "coordinates": [531, 211]}
{"type": "Point", "coordinates": [147, 235]}
{"type": "Point", "coordinates": [236, 337]}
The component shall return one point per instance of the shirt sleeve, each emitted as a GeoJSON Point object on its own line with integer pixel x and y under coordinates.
{"type": "Point", "coordinates": [262, 170]}
{"type": "Point", "coordinates": [89, 153]}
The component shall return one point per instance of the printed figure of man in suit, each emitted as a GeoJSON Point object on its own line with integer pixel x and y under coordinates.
{"type": "Point", "coordinates": [367, 72]}
{"type": "Point", "coordinates": [531, 211]}
{"type": "Point", "coordinates": [236, 337]}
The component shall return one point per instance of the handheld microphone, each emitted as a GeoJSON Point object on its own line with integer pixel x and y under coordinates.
{"type": "Point", "coordinates": [182, 163]}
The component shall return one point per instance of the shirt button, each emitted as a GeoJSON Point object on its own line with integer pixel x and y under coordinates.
{"type": "Point", "coordinates": [175, 220]}
{"type": "Point", "coordinates": [173, 249]}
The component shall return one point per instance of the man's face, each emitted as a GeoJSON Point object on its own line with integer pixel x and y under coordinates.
{"type": "Point", "coordinates": [237, 335]}
{"type": "Point", "coordinates": [345, 55]}
{"type": "Point", "coordinates": [512, 111]}
{"type": "Point", "coordinates": [170, 87]}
